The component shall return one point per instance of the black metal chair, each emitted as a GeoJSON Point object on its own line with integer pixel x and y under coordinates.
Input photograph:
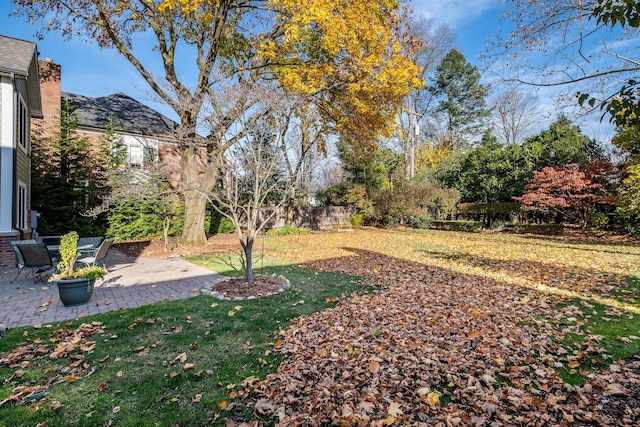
{"type": "Point", "coordinates": [36, 259]}
{"type": "Point", "coordinates": [98, 255]}
{"type": "Point", "coordinates": [19, 260]}
{"type": "Point", "coordinates": [93, 242]}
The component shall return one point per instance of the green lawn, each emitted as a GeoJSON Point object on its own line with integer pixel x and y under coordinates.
{"type": "Point", "coordinates": [562, 304]}
{"type": "Point", "coordinates": [186, 363]}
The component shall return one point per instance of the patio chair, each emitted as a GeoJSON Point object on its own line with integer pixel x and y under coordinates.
{"type": "Point", "coordinates": [19, 259]}
{"type": "Point", "coordinates": [98, 254]}
{"type": "Point", "coordinates": [93, 242]}
{"type": "Point", "coordinates": [36, 258]}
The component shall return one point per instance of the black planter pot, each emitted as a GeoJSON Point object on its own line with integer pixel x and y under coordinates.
{"type": "Point", "coordinates": [75, 291]}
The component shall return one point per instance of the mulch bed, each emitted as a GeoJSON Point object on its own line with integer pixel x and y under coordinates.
{"type": "Point", "coordinates": [238, 287]}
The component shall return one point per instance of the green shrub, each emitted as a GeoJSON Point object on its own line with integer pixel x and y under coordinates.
{"type": "Point", "coordinates": [335, 195]}
{"type": "Point", "coordinates": [473, 226]}
{"type": "Point", "coordinates": [226, 226]}
{"type": "Point", "coordinates": [389, 222]}
{"type": "Point", "coordinates": [545, 229]}
{"type": "Point", "coordinates": [413, 200]}
{"type": "Point", "coordinates": [356, 220]}
{"type": "Point", "coordinates": [420, 222]}
{"type": "Point", "coordinates": [497, 208]}
{"type": "Point", "coordinates": [135, 221]}
{"type": "Point", "coordinates": [287, 230]}
{"type": "Point", "coordinates": [143, 220]}
{"type": "Point", "coordinates": [599, 221]}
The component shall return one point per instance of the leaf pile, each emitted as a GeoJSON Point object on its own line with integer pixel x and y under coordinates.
{"type": "Point", "coordinates": [63, 343]}
{"type": "Point", "coordinates": [449, 342]}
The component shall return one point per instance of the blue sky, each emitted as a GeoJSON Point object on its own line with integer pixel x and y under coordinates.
{"type": "Point", "coordinates": [472, 21]}
{"type": "Point", "coordinates": [90, 71]}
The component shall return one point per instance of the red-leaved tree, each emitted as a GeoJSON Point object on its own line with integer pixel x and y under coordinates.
{"type": "Point", "coordinates": [570, 191]}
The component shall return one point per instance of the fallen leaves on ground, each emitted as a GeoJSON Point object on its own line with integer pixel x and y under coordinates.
{"type": "Point", "coordinates": [64, 343]}
{"type": "Point", "coordinates": [471, 338]}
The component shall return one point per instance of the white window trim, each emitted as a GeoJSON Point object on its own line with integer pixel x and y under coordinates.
{"type": "Point", "coordinates": [141, 150]}
{"type": "Point", "coordinates": [22, 125]}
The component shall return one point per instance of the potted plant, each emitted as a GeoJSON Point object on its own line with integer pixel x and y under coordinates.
{"type": "Point", "coordinates": [75, 286]}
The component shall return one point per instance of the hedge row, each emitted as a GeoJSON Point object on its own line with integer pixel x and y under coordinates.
{"type": "Point", "coordinates": [497, 208]}
{"type": "Point", "coordinates": [546, 229]}
{"type": "Point", "coordinates": [474, 226]}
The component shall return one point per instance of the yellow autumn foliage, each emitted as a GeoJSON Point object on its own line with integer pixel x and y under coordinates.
{"type": "Point", "coordinates": [431, 155]}
{"type": "Point", "coordinates": [347, 55]}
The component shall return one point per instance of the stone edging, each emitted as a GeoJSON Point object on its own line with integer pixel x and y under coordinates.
{"type": "Point", "coordinates": [207, 290]}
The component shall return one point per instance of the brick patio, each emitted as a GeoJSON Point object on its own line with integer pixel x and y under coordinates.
{"type": "Point", "coordinates": [131, 282]}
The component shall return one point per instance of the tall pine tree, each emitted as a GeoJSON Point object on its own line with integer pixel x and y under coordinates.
{"type": "Point", "coordinates": [461, 98]}
{"type": "Point", "coordinates": [67, 175]}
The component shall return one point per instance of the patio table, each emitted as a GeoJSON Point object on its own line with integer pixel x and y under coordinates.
{"type": "Point", "coordinates": [54, 250]}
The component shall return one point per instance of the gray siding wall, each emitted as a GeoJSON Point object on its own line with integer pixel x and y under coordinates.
{"type": "Point", "coordinates": [1, 80]}
{"type": "Point", "coordinates": [21, 85]}
{"type": "Point", "coordinates": [23, 169]}
{"type": "Point", "coordinates": [23, 160]}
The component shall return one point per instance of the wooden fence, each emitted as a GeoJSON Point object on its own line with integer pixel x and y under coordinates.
{"type": "Point", "coordinates": [315, 218]}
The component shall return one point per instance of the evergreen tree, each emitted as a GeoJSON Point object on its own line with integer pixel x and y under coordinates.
{"type": "Point", "coordinates": [365, 176]}
{"type": "Point", "coordinates": [374, 171]}
{"type": "Point", "coordinates": [629, 192]}
{"type": "Point", "coordinates": [561, 144]}
{"type": "Point", "coordinates": [67, 178]}
{"type": "Point", "coordinates": [492, 172]}
{"type": "Point", "coordinates": [461, 97]}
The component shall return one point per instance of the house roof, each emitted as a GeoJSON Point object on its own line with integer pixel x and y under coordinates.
{"type": "Point", "coordinates": [20, 58]}
{"type": "Point", "coordinates": [128, 115]}
{"type": "Point", "coordinates": [16, 55]}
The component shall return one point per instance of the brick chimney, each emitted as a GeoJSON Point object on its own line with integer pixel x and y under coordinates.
{"type": "Point", "coordinates": [51, 99]}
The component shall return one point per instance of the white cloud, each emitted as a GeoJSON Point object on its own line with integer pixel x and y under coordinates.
{"type": "Point", "coordinates": [454, 13]}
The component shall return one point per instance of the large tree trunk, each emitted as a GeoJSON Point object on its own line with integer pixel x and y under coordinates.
{"type": "Point", "coordinates": [196, 189]}
{"type": "Point", "coordinates": [195, 206]}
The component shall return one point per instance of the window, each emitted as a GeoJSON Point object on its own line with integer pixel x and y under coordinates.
{"type": "Point", "coordinates": [22, 124]}
{"type": "Point", "coordinates": [141, 151]}
{"type": "Point", "coordinates": [22, 207]}
{"type": "Point", "coordinates": [135, 156]}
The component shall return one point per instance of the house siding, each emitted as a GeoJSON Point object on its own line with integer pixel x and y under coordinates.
{"type": "Point", "coordinates": [21, 87]}
{"type": "Point", "coordinates": [1, 81]}
{"type": "Point", "coordinates": [7, 137]}
{"type": "Point", "coordinates": [23, 171]}
{"type": "Point", "coordinates": [23, 157]}
{"type": "Point", "coordinates": [19, 80]}
{"type": "Point", "coordinates": [1, 116]}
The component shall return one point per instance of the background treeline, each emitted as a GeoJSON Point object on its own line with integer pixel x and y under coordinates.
{"type": "Point", "coordinates": [456, 154]}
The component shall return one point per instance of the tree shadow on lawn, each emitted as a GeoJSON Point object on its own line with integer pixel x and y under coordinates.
{"type": "Point", "coordinates": [518, 276]}
{"type": "Point", "coordinates": [586, 283]}
{"type": "Point", "coordinates": [575, 241]}
{"type": "Point", "coordinates": [491, 348]}
{"type": "Point", "coordinates": [577, 244]}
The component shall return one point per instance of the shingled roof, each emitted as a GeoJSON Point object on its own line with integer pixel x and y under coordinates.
{"type": "Point", "coordinates": [20, 58]}
{"type": "Point", "coordinates": [128, 114]}
{"type": "Point", "coordinates": [16, 55]}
